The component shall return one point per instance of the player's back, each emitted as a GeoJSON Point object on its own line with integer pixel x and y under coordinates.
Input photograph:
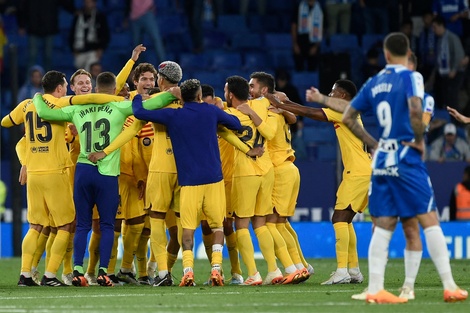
{"type": "Point", "coordinates": [45, 142]}
{"type": "Point", "coordinates": [280, 148]}
{"type": "Point", "coordinates": [387, 95]}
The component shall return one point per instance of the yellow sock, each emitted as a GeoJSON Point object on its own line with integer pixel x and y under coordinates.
{"type": "Point", "coordinates": [342, 243]}
{"type": "Point", "coordinates": [49, 243]}
{"type": "Point", "coordinates": [232, 248]}
{"type": "Point", "coordinates": [41, 247]}
{"type": "Point", "coordinates": [158, 241]}
{"type": "Point", "coordinates": [280, 247]}
{"type": "Point", "coordinates": [245, 245]}
{"type": "Point", "coordinates": [130, 243]}
{"type": "Point", "coordinates": [266, 245]}
{"type": "Point", "coordinates": [114, 252]}
{"type": "Point", "coordinates": [58, 249]}
{"type": "Point", "coordinates": [290, 243]}
{"type": "Point", "coordinates": [353, 259]}
{"type": "Point", "coordinates": [28, 248]}
{"type": "Point", "coordinates": [94, 252]}
{"type": "Point", "coordinates": [141, 253]}
{"type": "Point", "coordinates": [208, 240]}
{"type": "Point", "coordinates": [68, 263]}
{"type": "Point", "coordinates": [188, 259]}
{"type": "Point", "coordinates": [171, 260]}
{"type": "Point", "coordinates": [296, 238]}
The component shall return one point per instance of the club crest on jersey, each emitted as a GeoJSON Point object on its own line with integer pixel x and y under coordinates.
{"type": "Point", "coordinates": [146, 141]}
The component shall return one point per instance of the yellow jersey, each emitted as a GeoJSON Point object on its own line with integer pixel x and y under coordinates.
{"type": "Point", "coordinates": [280, 148]}
{"type": "Point", "coordinates": [45, 145]}
{"type": "Point", "coordinates": [356, 160]}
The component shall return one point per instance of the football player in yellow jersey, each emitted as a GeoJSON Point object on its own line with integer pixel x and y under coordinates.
{"type": "Point", "coordinates": [253, 180]}
{"type": "Point", "coordinates": [286, 183]}
{"type": "Point", "coordinates": [352, 192]}
{"type": "Point", "coordinates": [48, 188]}
{"type": "Point", "coordinates": [226, 156]}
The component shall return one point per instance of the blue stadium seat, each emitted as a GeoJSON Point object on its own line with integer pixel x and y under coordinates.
{"type": "Point", "coordinates": [266, 23]}
{"type": "Point", "coordinates": [226, 60]}
{"type": "Point", "coordinates": [256, 61]}
{"type": "Point", "coordinates": [171, 24]}
{"type": "Point", "coordinates": [121, 41]}
{"type": "Point", "coordinates": [278, 41]}
{"type": "Point", "coordinates": [442, 114]}
{"type": "Point", "coordinates": [242, 41]}
{"type": "Point", "coordinates": [232, 23]}
{"type": "Point", "coordinates": [343, 42]}
{"type": "Point", "coordinates": [191, 61]}
{"type": "Point", "coordinates": [319, 134]}
{"type": "Point", "coordinates": [371, 40]}
{"type": "Point", "coordinates": [65, 20]}
{"type": "Point", "coordinates": [215, 79]}
{"type": "Point", "coordinates": [215, 39]}
{"type": "Point", "coordinates": [282, 59]}
{"type": "Point", "coordinates": [305, 80]}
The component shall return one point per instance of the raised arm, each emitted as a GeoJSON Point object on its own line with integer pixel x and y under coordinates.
{"type": "Point", "coordinates": [233, 139]}
{"type": "Point", "coordinates": [458, 116]}
{"type": "Point", "coordinates": [336, 104]}
{"type": "Point", "coordinates": [297, 109]}
{"type": "Point", "coordinates": [121, 78]}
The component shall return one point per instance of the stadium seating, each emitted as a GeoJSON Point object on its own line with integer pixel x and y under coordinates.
{"type": "Point", "coordinates": [246, 42]}
{"type": "Point", "coordinates": [230, 24]}
{"type": "Point", "coordinates": [214, 39]}
{"type": "Point", "coordinates": [191, 61]}
{"type": "Point", "coordinates": [256, 61]}
{"type": "Point", "coordinates": [305, 80]}
{"type": "Point", "coordinates": [278, 41]}
{"type": "Point", "coordinates": [343, 43]}
{"type": "Point", "coordinates": [215, 79]}
{"type": "Point", "coordinates": [226, 60]}
{"type": "Point", "coordinates": [371, 40]}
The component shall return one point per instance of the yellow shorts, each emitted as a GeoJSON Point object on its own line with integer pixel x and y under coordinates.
{"type": "Point", "coordinates": [353, 191]}
{"type": "Point", "coordinates": [130, 206]}
{"type": "Point", "coordinates": [208, 199]}
{"type": "Point", "coordinates": [251, 195]}
{"type": "Point", "coordinates": [286, 188]}
{"type": "Point", "coordinates": [50, 193]}
{"type": "Point", "coordinates": [163, 191]}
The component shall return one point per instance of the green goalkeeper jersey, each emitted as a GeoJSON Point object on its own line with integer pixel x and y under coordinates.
{"type": "Point", "coordinates": [98, 125]}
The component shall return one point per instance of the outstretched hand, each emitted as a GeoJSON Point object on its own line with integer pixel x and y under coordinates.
{"type": "Point", "coordinates": [313, 95]}
{"type": "Point", "coordinates": [73, 129]}
{"type": "Point", "coordinates": [273, 99]}
{"type": "Point", "coordinates": [96, 156]}
{"type": "Point", "coordinates": [137, 51]}
{"type": "Point", "coordinates": [458, 116]}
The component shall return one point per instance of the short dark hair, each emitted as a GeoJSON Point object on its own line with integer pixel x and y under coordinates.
{"type": "Point", "coordinates": [348, 86]}
{"type": "Point", "coordinates": [189, 89]}
{"type": "Point", "coordinates": [439, 20]}
{"type": "Point", "coordinates": [239, 87]}
{"type": "Point", "coordinates": [397, 44]}
{"type": "Point", "coordinates": [142, 68]}
{"type": "Point", "coordinates": [207, 90]}
{"type": "Point", "coordinates": [154, 90]}
{"type": "Point", "coordinates": [265, 80]}
{"type": "Point", "coordinates": [106, 80]}
{"type": "Point", "coordinates": [51, 80]}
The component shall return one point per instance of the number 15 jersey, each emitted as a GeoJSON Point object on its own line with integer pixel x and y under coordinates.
{"type": "Point", "coordinates": [45, 141]}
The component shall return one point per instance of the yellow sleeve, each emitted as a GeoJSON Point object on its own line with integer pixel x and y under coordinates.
{"type": "Point", "coordinates": [127, 134]}
{"type": "Point", "coordinates": [268, 126]}
{"type": "Point", "coordinates": [21, 150]}
{"type": "Point", "coordinates": [95, 98]}
{"type": "Point", "coordinates": [16, 116]}
{"type": "Point", "coordinates": [121, 78]}
{"type": "Point", "coordinates": [232, 139]}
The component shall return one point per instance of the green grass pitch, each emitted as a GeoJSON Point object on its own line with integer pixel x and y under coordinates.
{"type": "Point", "coordinates": [307, 297]}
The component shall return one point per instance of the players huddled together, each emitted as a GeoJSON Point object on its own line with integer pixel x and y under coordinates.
{"type": "Point", "coordinates": [153, 165]}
